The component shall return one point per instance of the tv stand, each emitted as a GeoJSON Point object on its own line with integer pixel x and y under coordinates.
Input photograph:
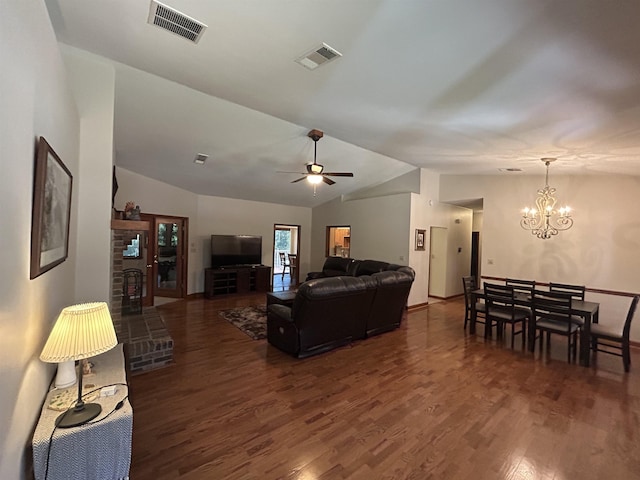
{"type": "Point", "coordinates": [236, 279]}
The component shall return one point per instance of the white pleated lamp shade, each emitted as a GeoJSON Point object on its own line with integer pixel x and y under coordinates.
{"type": "Point", "coordinates": [81, 331]}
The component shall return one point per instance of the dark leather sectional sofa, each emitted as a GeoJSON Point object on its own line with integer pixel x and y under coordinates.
{"type": "Point", "coordinates": [365, 298]}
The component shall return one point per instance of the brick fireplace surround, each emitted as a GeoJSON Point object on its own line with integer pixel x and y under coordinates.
{"type": "Point", "coordinates": [149, 342]}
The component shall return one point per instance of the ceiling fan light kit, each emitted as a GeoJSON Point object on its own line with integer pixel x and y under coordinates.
{"type": "Point", "coordinates": [315, 173]}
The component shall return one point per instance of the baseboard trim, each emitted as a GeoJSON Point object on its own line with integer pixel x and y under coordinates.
{"type": "Point", "coordinates": [417, 306]}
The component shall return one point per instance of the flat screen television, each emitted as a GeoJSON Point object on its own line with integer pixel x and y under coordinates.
{"type": "Point", "coordinates": [233, 250]}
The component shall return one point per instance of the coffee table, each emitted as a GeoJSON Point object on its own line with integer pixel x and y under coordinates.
{"type": "Point", "coordinates": [281, 298]}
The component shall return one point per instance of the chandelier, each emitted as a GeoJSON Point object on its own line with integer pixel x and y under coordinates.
{"type": "Point", "coordinates": [544, 220]}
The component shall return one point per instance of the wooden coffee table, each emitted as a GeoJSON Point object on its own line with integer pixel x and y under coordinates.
{"type": "Point", "coordinates": [281, 298]}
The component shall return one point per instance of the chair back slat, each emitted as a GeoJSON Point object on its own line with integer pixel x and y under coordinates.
{"type": "Point", "coordinates": [468, 286]}
{"type": "Point", "coordinates": [576, 291]}
{"type": "Point", "coordinates": [552, 305]}
{"type": "Point", "coordinates": [518, 285]}
{"type": "Point", "coordinates": [498, 295]}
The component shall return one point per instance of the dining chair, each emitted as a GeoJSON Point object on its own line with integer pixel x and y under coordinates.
{"type": "Point", "coordinates": [552, 312]}
{"type": "Point", "coordinates": [576, 291]}
{"type": "Point", "coordinates": [284, 263]}
{"type": "Point", "coordinates": [468, 286]}
{"type": "Point", "coordinates": [501, 308]}
{"type": "Point", "coordinates": [293, 264]}
{"type": "Point", "coordinates": [614, 336]}
{"type": "Point", "coordinates": [524, 286]}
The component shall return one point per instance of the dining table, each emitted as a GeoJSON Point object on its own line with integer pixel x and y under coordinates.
{"type": "Point", "coordinates": [587, 310]}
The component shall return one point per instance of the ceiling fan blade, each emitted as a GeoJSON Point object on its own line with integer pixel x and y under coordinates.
{"type": "Point", "coordinates": [299, 180]}
{"type": "Point", "coordinates": [297, 173]}
{"type": "Point", "coordinates": [339, 174]}
{"type": "Point", "coordinates": [328, 181]}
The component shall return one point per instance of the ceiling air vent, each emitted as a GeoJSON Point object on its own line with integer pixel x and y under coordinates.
{"type": "Point", "coordinates": [200, 158]}
{"type": "Point", "coordinates": [172, 20]}
{"type": "Point", "coordinates": [318, 56]}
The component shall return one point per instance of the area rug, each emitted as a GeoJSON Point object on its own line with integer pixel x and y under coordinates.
{"type": "Point", "coordinates": [251, 320]}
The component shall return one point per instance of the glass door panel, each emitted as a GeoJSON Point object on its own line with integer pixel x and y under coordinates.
{"type": "Point", "coordinates": [168, 256]}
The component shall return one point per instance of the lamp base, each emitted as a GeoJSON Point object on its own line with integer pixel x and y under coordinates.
{"type": "Point", "coordinates": [66, 375]}
{"type": "Point", "coordinates": [74, 417]}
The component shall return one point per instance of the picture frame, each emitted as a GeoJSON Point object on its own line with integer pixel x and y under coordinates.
{"type": "Point", "coordinates": [420, 239]}
{"type": "Point", "coordinates": [51, 213]}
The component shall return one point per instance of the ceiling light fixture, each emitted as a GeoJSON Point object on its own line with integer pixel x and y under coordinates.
{"type": "Point", "coordinates": [545, 221]}
{"type": "Point", "coordinates": [314, 179]}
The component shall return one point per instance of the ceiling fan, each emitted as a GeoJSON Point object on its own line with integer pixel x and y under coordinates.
{"type": "Point", "coordinates": [315, 172]}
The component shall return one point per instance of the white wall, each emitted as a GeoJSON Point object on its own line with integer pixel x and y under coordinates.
{"type": "Point", "coordinates": [379, 228]}
{"type": "Point", "coordinates": [228, 216]}
{"type": "Point", "coordinates": [601, 251]}
{"type": "Point", "coordinates": [35, 100]}
{"type": "Point", "coordinates": [160, 198]}
{"type": "Point", "coordinates": [213, 215]}
{"type": "Point", "coordinates": [93, 85]}
{"type": "Point", "coordinates": [426, 212]}
{"type": "Point", "coordinates": [383, 228]}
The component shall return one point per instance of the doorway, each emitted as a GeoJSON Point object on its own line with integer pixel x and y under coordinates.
{"type": "Point", "coordinates": [286, 254]}
{"type": "Point", "coordinates": [438, 262]}
{"type": "Point", "coordinates": [338, 241]}
{"type": "Point", "coordinates": [475, 256]}
{"type": "Point", "coordinates": [169, 256]}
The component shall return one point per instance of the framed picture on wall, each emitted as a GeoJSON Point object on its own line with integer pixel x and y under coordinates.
{"type": "Point", "coordinates": [51, 210]}
{"type": "Point", "coordinates": [420, 239]}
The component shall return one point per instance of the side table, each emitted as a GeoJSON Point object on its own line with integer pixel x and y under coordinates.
{"type": "Point", "coordinates": [100, 449]}
{"type": "Point", "coordinates": [281, 298]}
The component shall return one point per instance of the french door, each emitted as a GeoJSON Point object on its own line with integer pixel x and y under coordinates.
{"type": "Point", "coordinates": [169, 256]}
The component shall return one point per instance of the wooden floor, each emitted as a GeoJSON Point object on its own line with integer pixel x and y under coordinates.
{"type": "Point", "coordinates": [427, 401]}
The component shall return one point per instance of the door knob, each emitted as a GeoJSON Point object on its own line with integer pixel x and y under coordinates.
{"type": "Point", "coordinates": [149, 266]}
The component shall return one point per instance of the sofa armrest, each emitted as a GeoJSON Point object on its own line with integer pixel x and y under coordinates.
{"type": "Point", "coordinates": [314, 275]}
{"type": "Point", "coordinates": [282, 312]}
{"type": "Point", "coordinates": [282, 331]}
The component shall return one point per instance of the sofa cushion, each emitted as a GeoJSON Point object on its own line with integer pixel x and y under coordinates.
{"type": "Point", "coordinates": [368, 267]}
{"type": "Point", "coordinates": [333, 267]}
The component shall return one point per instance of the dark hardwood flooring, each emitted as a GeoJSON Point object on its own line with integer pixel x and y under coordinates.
{"type": "Point", "coordinates": [427, 401]}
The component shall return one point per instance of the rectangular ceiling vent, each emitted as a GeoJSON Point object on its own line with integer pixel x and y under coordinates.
{"type": "Point", "coordinates": [172, 20]}
{"type": "Point", "coordinates": [318, 56]}
{"type": "Point", "coordinates": [200, 158]}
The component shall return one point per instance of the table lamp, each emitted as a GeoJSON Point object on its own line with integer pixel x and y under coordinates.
{"type": "Point", "coordinates": [81, 331]}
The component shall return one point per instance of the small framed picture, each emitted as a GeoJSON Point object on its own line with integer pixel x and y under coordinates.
{"type": "Point", "coordinates": [420, 239]}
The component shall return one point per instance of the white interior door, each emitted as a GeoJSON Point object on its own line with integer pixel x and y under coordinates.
{"type": "Point", "coordinates": [438, 262]}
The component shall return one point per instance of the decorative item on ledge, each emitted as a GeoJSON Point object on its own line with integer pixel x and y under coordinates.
{"type": "Point", "coordinates": [131, 211]}
{"type": "Point", "coordinates": [545, 221]}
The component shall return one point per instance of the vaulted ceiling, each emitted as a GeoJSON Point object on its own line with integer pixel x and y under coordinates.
{"type": "Point", "coordinates": [456, 86]}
